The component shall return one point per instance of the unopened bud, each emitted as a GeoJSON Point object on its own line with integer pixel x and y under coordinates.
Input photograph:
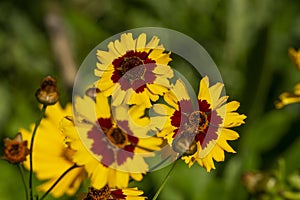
{"type": "Point", "coordinates": [47, 94]}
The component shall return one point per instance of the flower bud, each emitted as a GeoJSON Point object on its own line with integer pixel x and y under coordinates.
{"type": "Point", "coordinates": [47, 94]}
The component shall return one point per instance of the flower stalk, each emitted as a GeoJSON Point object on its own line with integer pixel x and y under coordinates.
{"type": "Point", "coordinates": [58, 180]}
{"type": "Point", "coordinates": [164, 181]}
{"type": "Point", "coordinates": [31, 148]}
{"type": "Point", "coordinates": [23, 179]}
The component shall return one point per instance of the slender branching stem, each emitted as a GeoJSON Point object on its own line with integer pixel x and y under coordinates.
{"type": "Point", "coordinates": [164, 181]}
{"type": "Point", "coordinates": [23, 179]}
{"type": "Point", "coordinates": [31, 149]}
{"type": "Point", "coordinates": [58, 180]}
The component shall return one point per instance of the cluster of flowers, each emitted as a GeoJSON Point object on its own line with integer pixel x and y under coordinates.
{"type": "Point", "coordinates": [136, 110]}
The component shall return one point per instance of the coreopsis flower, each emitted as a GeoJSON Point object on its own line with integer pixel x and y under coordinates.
{"type": "Point", "coordinates": [199, 130]}
{"type": "Point", "coordinates": [47, 94]}
{"type": "Point", "coordinates": [133, 71]}
{"type": "Point", "coordinates": [51, 157]}
{"type": "Point", "coordinates": [15, 150]}
{"type": "Point", "coordinates": [99, 174]}
{"type": "Point", "coordinates": [295, 56]}
{"type": "Point", "coordinates": [107, 193]}
{"type": "Point", "coordinates": [287, 98]}
{"type": "Point", "coordinates": [105, 144]}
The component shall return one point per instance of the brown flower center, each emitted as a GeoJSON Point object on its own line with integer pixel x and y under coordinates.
{"type": "Point", "coordinates": [132, 68]}
{"type": "Point", "coordinates": [95, 194]}
{"type": "Point", "coordinates": [199, 120]}
{"type": "Point", "coordinates": [117, 137]}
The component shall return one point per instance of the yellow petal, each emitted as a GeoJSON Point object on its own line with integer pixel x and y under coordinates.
{"type": "Point", "coordinates": [204, 93]}
{"type": "Point", "coordinates": [153, 43]}
{"type": "Point", "coordinates": [141, 42]}
{"type": "Point", "coordinates": [102, 107]}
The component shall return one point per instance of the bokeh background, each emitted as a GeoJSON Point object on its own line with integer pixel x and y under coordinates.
{"type": "Point", "coordinates": [247, 39]}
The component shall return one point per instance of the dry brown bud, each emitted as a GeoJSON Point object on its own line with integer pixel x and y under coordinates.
{"type": "Point", "coordinates": [47, 94]}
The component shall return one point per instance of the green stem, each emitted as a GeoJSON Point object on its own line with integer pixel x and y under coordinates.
{"type": "Point", "coordinates": [164, 181]}
{"type": "Point", "coordinates": [23, 179]}
{"type": "Point", "coordinates": [57, 181]}
{"type": "Point", "coordinates": [31, 149]}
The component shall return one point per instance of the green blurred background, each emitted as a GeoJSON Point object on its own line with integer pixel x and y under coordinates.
{"type": "Point", "coordinates": [247, 39]}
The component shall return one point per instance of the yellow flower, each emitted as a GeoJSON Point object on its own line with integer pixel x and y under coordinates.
{"type": "Point", "coordinates": [200, 132]}
{"type": "Point", "coordinates": [132, 71]}
{"type": "Point", "coordinates": [110, 152]}
{"type": "Point", "coordinates": [109, 193]}
{"type": "Point", "coordinates": [287, 98]}
{"type": "Point", "coordinates": [51, 157]}
{"type": "Point", "coordinates": [295, 55]}
{"type": "Point", "coordinates": [99, 174]}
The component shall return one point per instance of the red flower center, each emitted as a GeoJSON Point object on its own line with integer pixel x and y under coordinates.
{"type": "Point", "coordinates": [133, 70]}
{"type": "Point", "coordinates": [202, 124]}
{"type": "Point", "coordinates": [112, 142]}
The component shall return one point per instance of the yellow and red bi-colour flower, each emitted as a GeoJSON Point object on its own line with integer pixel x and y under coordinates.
{"type": "Point", "coordinates": [199, 131]}
{"type": "Point", "coordinates": [109, 193]}
{"type": "Point", "coordinates": [133, 71]}
{"type": "Point", "coordinates": [51, 157]}
{"type": "Point", "coordinates": [108, 145]}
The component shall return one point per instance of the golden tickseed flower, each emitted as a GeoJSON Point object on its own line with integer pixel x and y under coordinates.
{"type": "Point", "coordinates": [133, 71]}
{"type": "Point", "coordinates": [287, 98]}
{"type": "Point", "coordinates": [15, 150]}
{"type": "Point", "coordinates": [200, 134]}
{"type": "Point", "coordinates": [99, 174]}
{"type": "Point", "coordinates": [107, 193]}
{"type": "Point", "coordinates": [295, 55]}
{"type": "Point", "coordinates": [51, 156]}
{"type": "Point", "coordinates": [105, 144]}
{"type": "Point", "coordinates": [47, 93]}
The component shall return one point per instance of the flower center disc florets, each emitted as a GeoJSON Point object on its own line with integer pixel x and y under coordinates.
{"type": "Point", "coordinates": [132, 68]}
{"type": "Point", "coordinates": [199, 120]}
{"type": "Point", "coordinates": [95, 194]}
{"type": "Point", "coordinates": [117, 137]}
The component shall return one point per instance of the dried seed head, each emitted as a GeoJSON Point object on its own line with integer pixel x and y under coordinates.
{"type": "Point", "coordinates": [15, 150]}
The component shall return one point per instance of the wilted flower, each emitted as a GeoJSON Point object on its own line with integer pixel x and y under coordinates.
{"type": "Point", "coordinates": [15, 150]}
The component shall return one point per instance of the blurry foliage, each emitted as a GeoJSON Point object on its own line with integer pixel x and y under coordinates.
{"type": "Point", "coordinates": [248, 40]}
